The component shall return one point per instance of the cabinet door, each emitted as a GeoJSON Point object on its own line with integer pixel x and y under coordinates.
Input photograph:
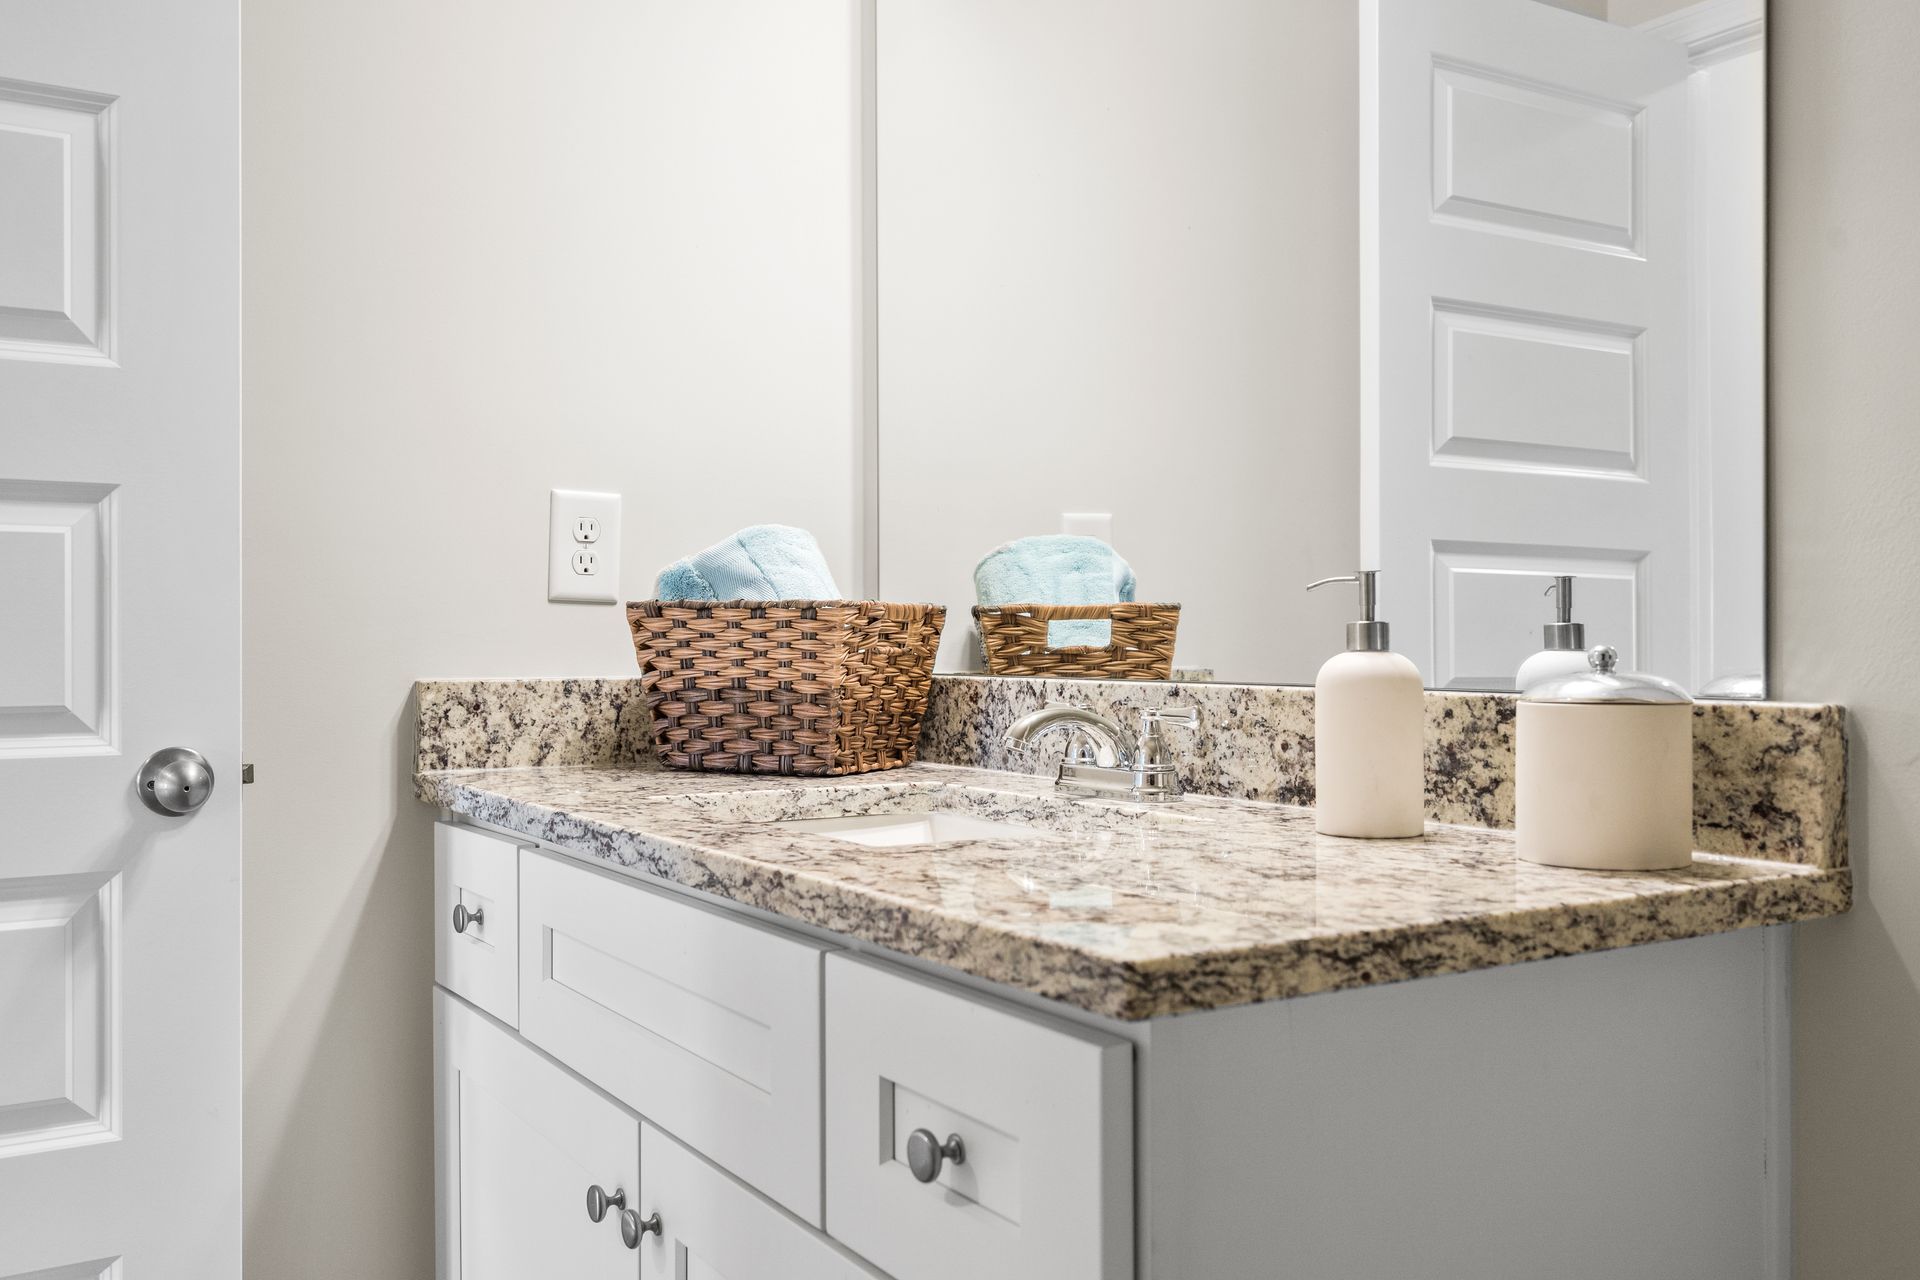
{"type": "Point", "coordinates": [705, 1023]}
{"type": "Point", "coordinates": [1043, 1189]}
{"type": "Point", "coordinates": [519, 1143]}
{"type": "Point", "coordinates": [713, 1228]}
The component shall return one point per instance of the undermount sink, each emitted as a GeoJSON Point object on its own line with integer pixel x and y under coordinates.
{"type": "Point", "coordinates": [895, 830]}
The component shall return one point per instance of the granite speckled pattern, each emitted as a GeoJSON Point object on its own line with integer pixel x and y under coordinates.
{"type": "Point", "coordinates": [503, 724]}
{"type": "Point", "coordinates": [1769, 777]}
{"type": "Point", "coordinates": [1770, 780]}
{"type": "Point", "coordinates": [1126, 911]}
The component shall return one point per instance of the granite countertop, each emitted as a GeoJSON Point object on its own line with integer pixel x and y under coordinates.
{"type": "Point", "coordinates": [1128, 911]}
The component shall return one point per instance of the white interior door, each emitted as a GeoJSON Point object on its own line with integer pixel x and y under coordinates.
{"type": "Point", "coordinates": [119, 636]}
{"type": "Point", "coordinates": [1524, 332]}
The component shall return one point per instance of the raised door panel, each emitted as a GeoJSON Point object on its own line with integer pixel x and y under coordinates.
{"type": "Point", "coordinates": [706, 1024]}
{"type": "Point", "coordinates": [1043, 1111]}
{"type": "Point", "coordinates": [520, 1142]}
{"type": "Point", "coordinates": [56, 203]}
{"type": "Point", "coordinates": [712, 1228]}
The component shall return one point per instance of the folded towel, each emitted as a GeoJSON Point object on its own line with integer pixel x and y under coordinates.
{"type": "Point", "coordinates": [1058, 568]}
{"type": "Point", "coordinates": [764, 562]}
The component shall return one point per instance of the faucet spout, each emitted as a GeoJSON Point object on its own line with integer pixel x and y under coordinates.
{"type": "Point", "coordinates": [1108, 739]}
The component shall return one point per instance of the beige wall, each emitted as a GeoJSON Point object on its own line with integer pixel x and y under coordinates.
{"type": "Point", "coordinates": [491, 247]}
{"type": "Point", "coordinates": [1846, 599]}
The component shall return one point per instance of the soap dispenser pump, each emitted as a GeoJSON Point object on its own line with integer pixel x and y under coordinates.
{"type": "Point", "coordinates": [1369, 731]}
{"type": "Point", "coordinates": [1563, 649]}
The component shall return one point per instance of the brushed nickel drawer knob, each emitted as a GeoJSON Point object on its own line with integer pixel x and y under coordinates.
{"type": "Point", "coordinates": [926, 1154]}
{"type": "Point", "coordinates": [478, 916]}
{"type": "Point", "coordinates": [633, 1226]}
{"type": "Point", "coordinates": [598, 1201]}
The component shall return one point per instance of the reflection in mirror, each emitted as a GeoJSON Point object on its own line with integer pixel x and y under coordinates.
{"type": "Point", "coordinates": [1468, 291]}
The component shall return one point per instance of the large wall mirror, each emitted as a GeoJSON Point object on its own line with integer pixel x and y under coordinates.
{"type": "Point", "coordinates": [1470, 292]}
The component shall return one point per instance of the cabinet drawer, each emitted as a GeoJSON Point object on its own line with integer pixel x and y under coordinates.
{"type": "Point", "coordinates": [706, 1025]}
{"type": "Point", "coordinates": [1044, 1112]}
{"type": "Point", "coordinates": [477, 874]}
{"type": "Point", "coordinates": [712, 1227]}
{"type": "Point", "coordinates": [519, 1143]}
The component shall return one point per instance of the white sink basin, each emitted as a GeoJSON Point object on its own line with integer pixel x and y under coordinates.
{"type": "Point", "coordinates": [892, 830]}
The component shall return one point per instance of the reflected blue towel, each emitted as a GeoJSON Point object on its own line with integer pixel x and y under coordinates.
{"type": "Point", "coordinates": [763, 562]}
{"type": "Point", "coordinates": [1057, 568]}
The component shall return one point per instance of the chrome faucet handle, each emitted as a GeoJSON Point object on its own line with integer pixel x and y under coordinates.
{"type": "Point", "coordinates": [1151, 752]}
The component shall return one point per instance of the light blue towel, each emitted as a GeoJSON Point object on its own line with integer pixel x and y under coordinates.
{"type": "Point", "coordinates": [1057, 568]}
{"type": "Point", "coordinates": [764, 562]}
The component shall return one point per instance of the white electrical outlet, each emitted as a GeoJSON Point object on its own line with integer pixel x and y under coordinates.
{"type": "Point", "coordinates": [583, 547]}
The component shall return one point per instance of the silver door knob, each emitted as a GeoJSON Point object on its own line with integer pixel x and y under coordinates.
{"type": "Point", "coordinates": [175, 781]}
{"type": "Point", "coordinates": [926, 1154]}
{"type": "Point", "coordinates": [478, 916]}
{"type": "Point", "coordinates": [598, 1201]}
{"type": "Point", "coordinates": [633, 1226]}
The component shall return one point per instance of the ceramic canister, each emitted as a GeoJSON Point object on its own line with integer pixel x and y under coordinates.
{"type": "Point", "coordinates": [1604, 770]}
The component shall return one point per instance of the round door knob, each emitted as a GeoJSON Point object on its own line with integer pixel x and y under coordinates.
{"type": "Point", "coordinates": [175, 781]}
{"type": "Point", "coordinates": [598, 1201]}
{"type": "Point", "coordinates": [633, 1226]}
{"type": "Point", "coordinates": [926, 1154]}
{"type": "Point", "coordinates": [478, 916]}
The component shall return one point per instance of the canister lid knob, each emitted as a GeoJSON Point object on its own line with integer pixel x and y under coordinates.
{"type": "Point", "coordinates": [1601, 683]}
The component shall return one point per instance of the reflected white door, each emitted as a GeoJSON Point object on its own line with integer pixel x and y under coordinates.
{"type": "Point", "coordinates": [1524, 332]}
{"type": "Point", "coordinates": [119, 636]}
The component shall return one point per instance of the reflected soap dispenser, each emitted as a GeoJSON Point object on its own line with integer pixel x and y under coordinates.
{"type": "Point", "coordinates": [1369, 733]}
{"type": "Point", "coordinates": [1564, 641]}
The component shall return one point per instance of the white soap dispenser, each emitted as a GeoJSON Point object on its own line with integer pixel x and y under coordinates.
{"type": "Point", "coordinates": [1369, 733]}
{"type": "Point", "coordinates": [1564, 641]}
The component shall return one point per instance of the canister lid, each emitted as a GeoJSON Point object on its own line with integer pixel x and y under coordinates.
{"type": "Point", "coordinates": [1603, 684]}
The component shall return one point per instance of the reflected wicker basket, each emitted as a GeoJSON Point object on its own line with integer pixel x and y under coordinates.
{"type": "Point", "coordinates": [1014, 637]}
{"type": "Point", "coordinates": [815, 687]}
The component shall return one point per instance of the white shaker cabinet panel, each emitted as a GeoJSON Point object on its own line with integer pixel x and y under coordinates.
{"type": "Point", "coordinates": [476, 931]}
{"type": "Point", "coordinates": [707, 1025]}
{"type": "Point", "coordinates": [1043, 1112]}
{"type": "Point", "coordinates": [519, 1144]}
{"type": "Point", "coordinates": [712, 1228]}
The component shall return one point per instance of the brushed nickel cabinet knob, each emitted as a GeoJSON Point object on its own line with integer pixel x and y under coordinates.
{"type": "Point", "coordinates": [598, 1201]}
{"type": "Point", "coordinates": [926, 1154]}
{"type": "Point", "coordinates": [633, 1226]}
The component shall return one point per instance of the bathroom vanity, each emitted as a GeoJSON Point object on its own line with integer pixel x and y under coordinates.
{"type": "Point", "coordinates": [945, 1022]}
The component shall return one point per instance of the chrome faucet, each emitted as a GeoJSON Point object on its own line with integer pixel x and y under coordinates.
{"type": "Point", "coordinates": [1102, 758]}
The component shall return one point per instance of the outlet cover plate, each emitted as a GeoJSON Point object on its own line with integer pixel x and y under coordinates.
{"type": "Point", "coordinates": [564, 582]}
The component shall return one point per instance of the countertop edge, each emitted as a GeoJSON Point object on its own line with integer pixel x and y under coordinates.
{"type": "Point", "coordinates": [1130, 991]}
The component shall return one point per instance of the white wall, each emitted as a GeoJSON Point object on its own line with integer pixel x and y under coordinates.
{"type": "Point", "coordinates": [1845, 540]}
{"type": "Point", "coordinates": [491, 248]}
{"type": "Point", "coordinates": [1118, 272]}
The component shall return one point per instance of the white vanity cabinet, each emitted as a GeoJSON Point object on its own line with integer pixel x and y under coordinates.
{"type": "Point", "coordinates": [593, 1031]}
{"type": "Point", "coordinates": [1043, 1117]}
{"type": "Point", "coordinates": [778, 1104]}
{"type": "Point", "coordinates": [521, 1142]}
{"type": "Point", "coordinates": [712, 1228]}
{"type": "Point", "coordinates": [706, 1023]}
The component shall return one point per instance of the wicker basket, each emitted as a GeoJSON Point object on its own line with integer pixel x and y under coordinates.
{"type": "Point", "coordinates": [1141, 647]}
{"type": "Point", "coordinates": [820, 687]}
